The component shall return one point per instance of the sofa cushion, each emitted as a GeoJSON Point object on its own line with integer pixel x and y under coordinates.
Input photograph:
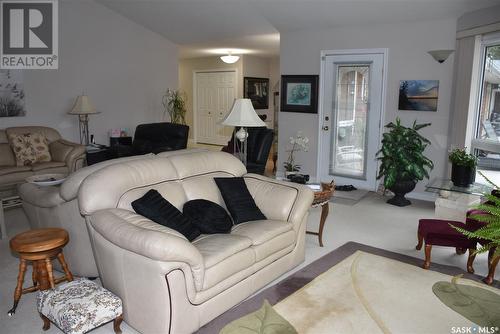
{"type": "Point", "coordinates": [7, 157]}
{"type": "Point", "coordinates": [261, 231]}
{"type": "Point", "coordinates": [37, 166]}
{"type": "Point", "coordinates": [208, 216]}
{"type": "Point", "coordinates": [29, 148]}
{"type": "Point", "coordinates": [12, 170]}
{"type": "Point", "coordinates": [216, 247]}
{"type": "Point", "coordinates": [238, 199]}
{"type": "Point", "coordinates": [153, 206]}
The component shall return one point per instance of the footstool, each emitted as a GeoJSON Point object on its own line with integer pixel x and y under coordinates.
{"type": "Point", "coordinates": [79, 306]}
{"type": "Point", "coordinates": [438, 232]}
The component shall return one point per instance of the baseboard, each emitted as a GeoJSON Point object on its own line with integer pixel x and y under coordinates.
{"type": "Point", "coordinates": [423, 196]}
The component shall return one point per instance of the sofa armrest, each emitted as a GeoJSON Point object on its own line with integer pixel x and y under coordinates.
{"type": "Point", "coordinates": [140, 235]}
{"type": "Point", "coordinates": [280, 200]}
{"type": "Point", "coordinates": [70, 153]}
{"type": "Point", "coordinates": [44, 197]}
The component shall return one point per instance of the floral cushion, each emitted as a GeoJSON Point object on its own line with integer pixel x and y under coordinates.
{"type": "Point", "coordinates": [30, 148]}
{"type": "Point", "coordinates": [78, 306]}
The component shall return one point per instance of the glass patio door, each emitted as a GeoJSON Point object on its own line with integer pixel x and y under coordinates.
{"type": "Point", "coordinates": [352, 98]}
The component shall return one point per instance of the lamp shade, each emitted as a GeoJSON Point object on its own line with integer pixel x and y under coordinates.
{"type": "Point", "coordinates": [243, 114]}
{"type": "Point", "coordinates": [83, 106]}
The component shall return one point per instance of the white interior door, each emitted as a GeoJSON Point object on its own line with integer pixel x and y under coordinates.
{"type": "Point", "coordinates": [352, 87]}
{"type": "Point", "coordinates": [215, 93]}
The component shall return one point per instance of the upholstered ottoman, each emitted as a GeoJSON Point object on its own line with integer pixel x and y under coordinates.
{"type": "Point", "coordinates": [439, 233]}
{"type": "Point", "coordinates": [79, 306]}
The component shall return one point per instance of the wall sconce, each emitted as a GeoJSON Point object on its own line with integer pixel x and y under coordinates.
{"type": "Point", "coordinates": [440, 55]}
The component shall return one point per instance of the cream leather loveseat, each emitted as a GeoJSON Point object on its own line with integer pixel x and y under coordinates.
{"type": "Point", "coordinates": [58, 207]}
{"type": "Point", "coordinates": [167, 284]}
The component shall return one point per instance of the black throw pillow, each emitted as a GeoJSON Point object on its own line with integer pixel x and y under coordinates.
{"type": "Point", "coordinates": [238, 200]}
{"type": "Point", "coordinates": [207, 216]}
{"type": "Point", "coordinates": [153, 206]}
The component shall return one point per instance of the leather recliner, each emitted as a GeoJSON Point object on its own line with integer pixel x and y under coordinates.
{"type": "Point", "coordinates": [155, 138]}
{"type": "Point", "coordinates": [171, 285]}
{"type": "Point", "coordinates": [259, 143]}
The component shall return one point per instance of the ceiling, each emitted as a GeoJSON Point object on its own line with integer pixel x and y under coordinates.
{"type": "Point", "coordinates": [201, 27]}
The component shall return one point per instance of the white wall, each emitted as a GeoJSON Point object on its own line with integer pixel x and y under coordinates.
{"type": "Point", "coordinates": [408, 59]}
{"type": "Point", "coordinates": [123, 67]}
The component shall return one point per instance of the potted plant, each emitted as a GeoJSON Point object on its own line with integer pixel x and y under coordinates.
{"type": "Point", "coordinates": [463, 167]}
{"type": "Point", "coordinates": [489, 235]}
{"type": "Point", "coordinates": [174, 103]}
{"type": "Point", "coordinates": [299, 143]}
{"type": "Point", "coordinates": [402, 160]}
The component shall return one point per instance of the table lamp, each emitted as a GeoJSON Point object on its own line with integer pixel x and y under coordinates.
{"type": "Point", "coordinates": [83, 108]}
{"type": "Point", "coordinates": [243, 115]}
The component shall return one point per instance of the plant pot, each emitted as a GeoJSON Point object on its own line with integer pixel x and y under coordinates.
{"type": "Point", "coordinates": [400, 189]}
{"type": "Point", "coordinates": [462, 176]}
{"type": "Point", "coordinates": [287, 173]}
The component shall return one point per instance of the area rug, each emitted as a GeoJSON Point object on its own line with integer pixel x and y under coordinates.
{"type": "Point", "coordinates": [360, 289]}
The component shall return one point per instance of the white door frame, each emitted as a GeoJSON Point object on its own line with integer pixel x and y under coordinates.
{"type": "Point", "coordinates": [321, 111]}
{"type": "Point", "coordinates": [195, 103]}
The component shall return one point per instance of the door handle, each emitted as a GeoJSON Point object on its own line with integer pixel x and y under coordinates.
{"type": "Point", "coordinates": [326, 128]}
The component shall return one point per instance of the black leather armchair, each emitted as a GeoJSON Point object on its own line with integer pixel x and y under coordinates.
{"type": "Point", "coordinates": [260, 141]}
{"type": "Point", "coordinates": [155, 138]}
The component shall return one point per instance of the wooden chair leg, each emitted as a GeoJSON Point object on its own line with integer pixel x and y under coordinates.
{"type": "Point", "coordinates": [46, 322]}
{"type": "Point", "coordinates": [64, 265]}
{"type": "Point", "coordinates": [420, 239]}
{"type": "Point", "coordinates": [325, 208]}
{"type": "Point", "coordinates": [491, 271]}
{"type": "Point", "coordinates": [19, 287]}
{"type": "Point", "coordinates": [50, 273]}
{"type": "Point", "coordinates": [427, 262]}
{"type": "Point", "coordinates": [470, 260]}
{"type": "Point", "coordinates": [116, 324]}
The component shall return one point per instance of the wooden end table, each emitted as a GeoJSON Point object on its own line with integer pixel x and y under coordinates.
{"type": "Point", "coordinates": [322, 199]}
{"type": "Point", "coordinates": [39, 246]}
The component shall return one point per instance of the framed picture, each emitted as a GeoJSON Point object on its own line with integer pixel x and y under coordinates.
{"type": "Point", "coordinates": [299, 93]}
{"type": "Point", "coordinates": [12, 101]}
{"type": "Point", "coordinates": [257, 90]}
{"type": "Point", "coordinates": [419, 95]}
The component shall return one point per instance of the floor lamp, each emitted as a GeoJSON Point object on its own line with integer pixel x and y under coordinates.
{"type": "Point", "coordinates": [242, 115]}
{"type": "Point", "coordinates": [83, 108]}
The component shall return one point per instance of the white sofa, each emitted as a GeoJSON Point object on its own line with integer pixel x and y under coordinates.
{"type": "Point", "coordinates": [57, 206]}
{"type": "Point", "coordinates": [168, 284]}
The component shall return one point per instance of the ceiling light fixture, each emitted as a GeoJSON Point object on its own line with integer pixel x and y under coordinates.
{"type": "Point", "coordinates": [230, 59]}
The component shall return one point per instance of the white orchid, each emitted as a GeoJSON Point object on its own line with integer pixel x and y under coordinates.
{"type": "Point", "coordinates": [299, 143]}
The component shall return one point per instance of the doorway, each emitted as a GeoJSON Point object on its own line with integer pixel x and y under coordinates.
{"type": "Point", "coordinates": [214, 94]}
{"type": "Point", "coordinates": [352, 98]}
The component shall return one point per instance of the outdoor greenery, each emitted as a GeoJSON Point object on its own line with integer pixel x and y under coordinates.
{"type": "Point", "coordinates": [174, 103]}
{"type": "Point", "coordinates": [460, 157]}
{"type": "Point", "coordinates": [402, 154]}
{"type": "Point", "coordinates": [491, 231]}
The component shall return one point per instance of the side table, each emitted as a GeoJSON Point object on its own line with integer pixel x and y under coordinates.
{"type": "Point", "coordinates": [322, 199]}
{"type": "Point", "coordinates": [7, 203]}
{"type": "Point", "coordinates": [98, 155]}
{"type": "Point", "coordinates": [39, 246]}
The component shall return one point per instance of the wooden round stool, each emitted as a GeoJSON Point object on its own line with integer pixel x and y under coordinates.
{"type": "Point", "coordinates": [39, 246]}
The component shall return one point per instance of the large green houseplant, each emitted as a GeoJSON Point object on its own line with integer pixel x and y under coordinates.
{"type": "Point", "coordinates": [402, 160]}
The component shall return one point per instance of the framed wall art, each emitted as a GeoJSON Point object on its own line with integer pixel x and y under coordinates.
{"type": "Point", "coordinates": [257, 90]}
{"type": "Point", "coordinates": [419, 95]}
{"type": "Point", "coordinates": [299, 93]}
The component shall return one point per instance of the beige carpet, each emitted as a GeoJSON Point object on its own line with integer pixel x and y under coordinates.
{"type": "Point", "coordinates": [367, 293]}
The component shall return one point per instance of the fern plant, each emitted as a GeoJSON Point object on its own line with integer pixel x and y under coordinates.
{"type": "Point", "coordinates": [491, 231]}
{"type": "Point", "coordinates": [402, 154]}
